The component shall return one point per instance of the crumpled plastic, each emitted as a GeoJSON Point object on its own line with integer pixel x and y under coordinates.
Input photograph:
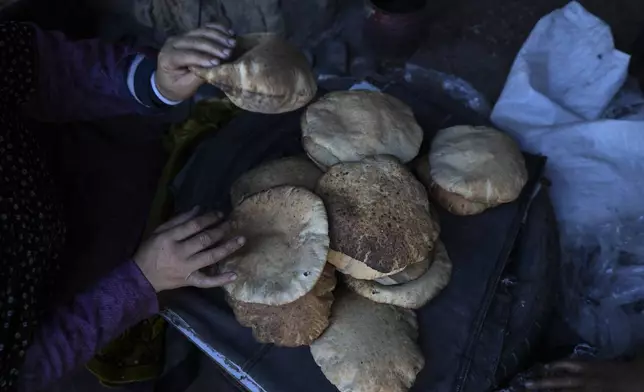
{"type": "Point", "coordinates": [603, 276]}
{"type": "Point", "coordinates": [564, 99]}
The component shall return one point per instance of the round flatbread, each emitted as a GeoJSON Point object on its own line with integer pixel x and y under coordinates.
{"type": "Point", "coordinates": [420, 167]}
{"type": "Point", "coordinates": [286, 247]}
{"type": "Point", "coordinates": [378, 214]}
{"type": "Point", "coordinates": [411, 295]}
{"type": "Point", "coordinates": [359, 270]}
{"type": "Point", "coordinates": [411, 272]}
{"type": "Point", "coordinates": [456, 204]}
{"type": "Point", "coordinates": [369, 347]}
{"type": "Point", "coordinates": [452, 202]}
{"type": "Point", "coordinates": [293, 171]}
{"type": "Point", "coordinates": [296, 324]}
{"type": "Point", "coordinates": [480, 164]}
{"type": "Point", "coordinates": [269, 75]}
{"type": "Point", "coordinates": [347, 126]}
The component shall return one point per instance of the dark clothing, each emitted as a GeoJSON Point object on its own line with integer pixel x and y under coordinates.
{"type": "Point", "coordinates": [47, 78]}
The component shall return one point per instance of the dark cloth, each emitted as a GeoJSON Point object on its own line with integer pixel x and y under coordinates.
{"type": "Point", "coordinates": [463, 331]}
{"type": "Point", "coordinates": [48, 78]}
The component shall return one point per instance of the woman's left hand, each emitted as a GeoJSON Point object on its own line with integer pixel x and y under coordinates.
{"type": "Point", "coordinates": [568, 376]}
{"type": "Point", "coordinates": [176, 252]}
{"type": "Point", "coordinates": [206, 47]}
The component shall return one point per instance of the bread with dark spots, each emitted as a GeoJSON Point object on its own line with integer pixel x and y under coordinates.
{"type": "Point", "coordinates": [378, 214]}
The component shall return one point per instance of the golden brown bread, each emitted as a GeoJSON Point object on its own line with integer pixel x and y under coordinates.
{"type": "Point", "coordinates": [413, 294]}
{"type": "Point", "coordinates": [347, 126]}
{"type": "Point", "coordinates": [287, 242]}
{"type": "Point", "coordinates": [296, 324]}
{"type": "Point", "coordinates": [480, 164]}
{"type": "Point", "coordinates": [378, 214]}
{"type": "Point", "coordinates": [295, 171]}
{"type": "Point", "coordinates": [268, 76]}
{"type": "Point", "coordinates": [369, 347]}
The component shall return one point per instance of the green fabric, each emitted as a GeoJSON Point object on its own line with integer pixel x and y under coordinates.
{"type": "Point", "coordinates": [135, 356]}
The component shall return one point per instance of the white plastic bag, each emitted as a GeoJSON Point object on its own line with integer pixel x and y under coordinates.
{"type": "Point", "coordinates": [560, 86]}
{"type": "Point", "coordinates": [567, 71]}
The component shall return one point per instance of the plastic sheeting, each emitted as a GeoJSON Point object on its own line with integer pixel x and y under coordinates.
{"type": "Point", "coordinates": [557, 102]}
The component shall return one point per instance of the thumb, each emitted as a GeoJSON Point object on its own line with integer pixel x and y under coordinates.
{"type": "Point", "coordinates": [177, 85]}
{"type": "Point", "coordinates": [203, 281]}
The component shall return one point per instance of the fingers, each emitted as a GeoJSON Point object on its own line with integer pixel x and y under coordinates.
{"type": "Point", "coordinates": [179, 219]}
{"type": "Point", "coordinates": [202, 281]}
{"type": "Point", "coordinates": [204, 46]}
{"type": "Point", "coordinates": [204, 240]}
{"type": "Point", "coordinates": [220, 27]}
{"type": "Point", "coordinates": [186, 58]}
{"type": "Point", "coordinates": [555, 383]}
{"type": "Point", "coordinates": [196, 225]}
{"type": "Point", "coordinates": [568, 366]}
{"type": "Point", "coordinates": [215, 255]}
{"type": "Point", "coordinates": [214, 36]}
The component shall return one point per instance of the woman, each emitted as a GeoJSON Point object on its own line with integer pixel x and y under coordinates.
{"type": "Point", "coordinates": [48, 78]}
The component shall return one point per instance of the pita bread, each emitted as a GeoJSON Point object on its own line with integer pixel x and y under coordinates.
{"type": "Point", "coordinates": [378, 214]}
{"type": "Point", "coordinates": [296, 324]}
{"type": "Point", "coordinates": [411, 295]}
{"type": "Point", "coordinates": [269, 76]}
{"type": "Point", "coordinates": [287, 171]}
{"type": "Point", "coordinates": [287, 238]}
{"type": "Point", "coordinates": [457, 204]}
{"type": "Point", "coordinates": [422, 173]}
{"type": "Point", "coordinates": [450, 201]}
{"type": "Point", "coordinates": [347, 126]}
{"type": "Point", "coordinates": [420, 165]}
{"type": "Point", "coordinates": [355, 268]}
{"type": "Point", "coordinates": [479, 164]}
{"type": "Point", "coordinates": [411, 272]}
{"type": "Point", "coordinates": [369, 347]}
{"type": "Point", "coordinates": [322, 168]}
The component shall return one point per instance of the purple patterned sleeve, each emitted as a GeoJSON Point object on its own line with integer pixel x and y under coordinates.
{"type": "Point", "coordinates": [81, 80]}
{"type": "Point", "coordinates": [75, 332]}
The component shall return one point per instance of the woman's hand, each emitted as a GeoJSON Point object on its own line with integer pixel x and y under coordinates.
{"type": "Point", "coordinates": [577, 376]}
{"type": "Point", "coordinates": [205, 47]}
{"type": "Point", "coordinates": [179, 248]}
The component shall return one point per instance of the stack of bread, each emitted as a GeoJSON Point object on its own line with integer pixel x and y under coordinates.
{"type": "Point", "coordinates": [356, 207]}
{"type": "Point", "coordinates": [471, 169]}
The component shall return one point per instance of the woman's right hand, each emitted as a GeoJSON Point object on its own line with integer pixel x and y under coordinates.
{"type": "Point", "coordinates": [179, 248]}
{"type": "Point", "coordinates": [205, 47]}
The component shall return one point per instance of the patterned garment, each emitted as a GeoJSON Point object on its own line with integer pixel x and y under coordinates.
{"type": "Point", "coordinates": [32, 231]}
{"type": "Point", "coordinates": [44, 76]}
